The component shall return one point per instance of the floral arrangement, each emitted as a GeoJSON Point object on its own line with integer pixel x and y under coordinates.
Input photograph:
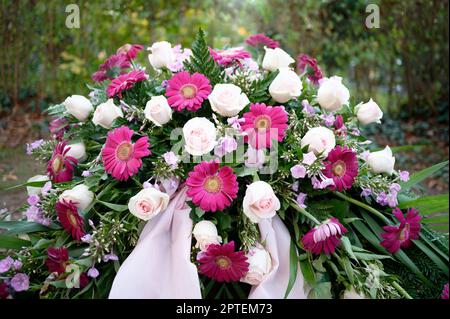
{"type": "Point", "coordinates": [249, 142]}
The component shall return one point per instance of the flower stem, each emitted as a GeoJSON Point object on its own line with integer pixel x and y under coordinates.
{"type": "Point", "coordinates": [401, 290]}
{"type": "Point", "coordinates": [304, 212]}
{"type": "Point", "coordinates": [362, 205]}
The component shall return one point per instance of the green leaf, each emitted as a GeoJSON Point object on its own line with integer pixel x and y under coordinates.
{"type": "Point", "coordinates": [443, 266]}
{"type": "Point", "coordinates": [401, 256]}
{"type": "Point", "coordinates": [423, 174]}
{"type": "Point", "coordinates": [348, 269]}
{"type": "Point", "coordinates": [348, 246]}
{"type": "Point", "coordinates": [11, 242]}
{"type": "Point", "coordinates": [308, 271]}
{"type": "Point", "coordinates": [293, 267]}
{"type": "Point", "coordinates": [115, 207]}
{"type": "Point", "coordinates": [428, 204]}
{"type": "Point", "coordinates": [24, 227]}
{"type": "Point", "coordinates": [369, 256]}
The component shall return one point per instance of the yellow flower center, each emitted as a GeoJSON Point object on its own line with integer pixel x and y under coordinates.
{"type": "Point", "coordinates": [212, 184]}
{"type": "Point", "coordinates": [262, 122]}
{"type": "Point", "coordinates": [57, 163]}
{"type": "Point", "coordinates": [124, 151]}
{"type": "Point", "coordinates": [223, 262]}
{"type": "Point", "coordinates": [72, 218]}
{"type": "Point", "coordinates": [339, 168]}
{"type": "Point", "coordinates": [188, 91]}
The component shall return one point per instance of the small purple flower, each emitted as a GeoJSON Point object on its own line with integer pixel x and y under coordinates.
{"type": "Point", "coordinates": [326, 182]}
{"type": "Point", "coordinates": [309, 158]}
{"type": "Point", "coordinates": [366, 192]}
{"type": "Point", "coordinates": [315, 182]}
{"type": "Point", "coordinates": [395, 188]}
{"type": "Point", "coordinates": [356, 131]}
{"type": "Point", "coordinates": [382, 199]}
{"type": "Point", "coordinates": [298, 171]}
{"type": "Point", "coordinates": [165, 83]}
{"type": "Point", "coordinates": [147, 185]}
{"type": "Point", "coordinates": [46, 188]}
{"type": "Point", "coordinates": [33, 213]}
{"type": "Point", "coordinates": [235, 122]}
{"type": "Point", "coordinates": [294, 186]}
{"type": "Point", "coordinates": [404, 176]}
{"type": "Point", "coordinates": [171, 159]}
{"type": "Point", "coordinates": [86, 174]}
{"type": "Point", "coordinates": [17, 264]}
{"type": "Point", "coordinates": [301, 200]}
{"type": "Point", "coordinates": [20, 282]}
{"type": "Point", "coordinates": [93, 272]}
{"type": "Point", "coordinates": [225, 145]}
{"type": "Point", "coordinates": [6, 264]}
{"type": "Point", "coordinates": [86, 238]}
{"type": "Point", "coordinates": [328, 119]}
{"type": "Point", "coordinates": [32, 200]}
{"type": "Point", "coordinates": [34, 145]}
{"type": "Point", "coordinates": [391, 199]}
{"type": "Point", "coordinates": [307, 108]}
{"type": "Point", "coordinates": [109, 257]}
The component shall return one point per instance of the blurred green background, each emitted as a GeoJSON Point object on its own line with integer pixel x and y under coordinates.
{"type": "Point", "coordinates": [403, 65]}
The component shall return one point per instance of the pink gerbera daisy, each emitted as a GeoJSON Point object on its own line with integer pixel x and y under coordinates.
{"type": "Point", "coordinates": [400, 236]}
{"type": "Point", "coordinates": [304, 61]}
{"type": "Point", "coordinates": [222, 263]}
{"type": "Point", "coordinates": [122, 158]}
{"type": "Point", "coordinates": [125, 82]}
{"type": "Point", "coordinates": [57, 127]}
{"type": "Point", "coordinates": [264, 123]}
{"type": "Point", "coordinates": [69, 218]}
{"type": "Point", "coordinates": [60, 167]}
{"type": "Point", "coordinates": [325, 237]}
{"type": "Point", "coordinates": [187, 92]}
{"type": "Point", "coordinates": [260, 38]}
{"type": "Point", "coordinates": [130, 50]}
{"type": "Point", "coordinates": [229, 56]}
{"type": "Point", "coordinates": [212, 188]}
{"type": "Point", "coordinates": [342, 166]}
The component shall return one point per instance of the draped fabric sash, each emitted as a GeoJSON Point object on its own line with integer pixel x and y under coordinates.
{"type": "Point", "coordinates": [160, 266]}
{"type": "Point", "coordinates": [277, 238]}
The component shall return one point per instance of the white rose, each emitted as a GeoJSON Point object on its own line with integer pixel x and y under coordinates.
{"type": "Point", "coordinates": [275, 59]}
{"type": "Point", "coordinates": [205, 233]}
{"type": "Point", "coordinates": [227, 99]}
{"type": "Point", "coordinates": [199, 135]}
{"type": "Point", "coordinates": [148, 203]}
{"type": "Point", "coordinates": [33, 190]}
{"type": "Point", "coordinates": [285, 86]}
{"type": "Point", "coordinates": [382, 161]}
{"type": "Point", "coordinates": [353, 294]}
{"type": "Point", "coordinates": [158, 110]}
{"type": "Point", "coordinates": [369, 112]}
{"type": "Point", "coordinates": [162, 55]}
{"type": "Point", "coordinates": [106, 113]}
{"type": "Point", "coordinates": [260, 264]}
{"type": "Point", "coordinates": [332, 94]}
{"type": "Point", "coordinates": [80, 195]}
{"type": "Point", "coordinates": [260, 202]}
{"type": "Point", "coordinates": [78, 106]}
{"type": "Point", "coordinates": [320, 139]}
{"type": "Point", "coordinates": [77, 150]}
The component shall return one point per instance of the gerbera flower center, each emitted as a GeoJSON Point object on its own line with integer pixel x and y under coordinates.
{"type": "Point", "coordinates": [404, 234]}
{"type": "Point", "coordinates": [57, 163]}
{"type": "Point", "coordinates": [262, 122]}
{"type": "Point", "coordinates": [188, 91]}
{"type": "Point", "coordinates": [72, 219]}
{"type": "Point", "coordinates": [212, 184]}
{"type": "Point", "coordinates": [124, 151]}
{"type": "Point", "coordinates": [339, 168]}
{"type": "Point", "coordinates": [223, 262]}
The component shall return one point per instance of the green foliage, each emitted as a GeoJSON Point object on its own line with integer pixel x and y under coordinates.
{"type": "Point", "coordinates": [201, 60]}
